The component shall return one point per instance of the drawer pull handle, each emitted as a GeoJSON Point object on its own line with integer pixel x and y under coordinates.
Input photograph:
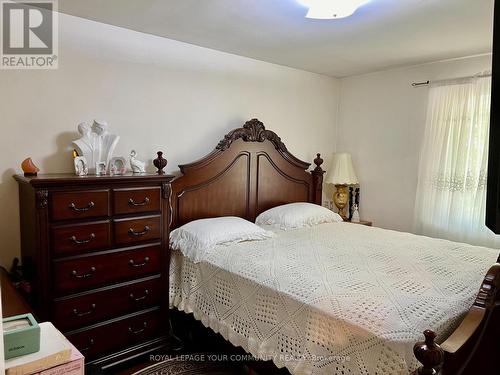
{"type": "Point", "coordinates": [84, 276]}
{"type": "Point", "coordinates": [133, 298]}
{"type": "Point", "coordinates": [131, 330]}
{"type": "Point", "coordinates": [81, 242]}
{"type": "Point", "coordinates": [73, 207]}
{"type": "Point", "coordinates": [138, 234]}
{"type": "Point", "coordinates": [91, 343]}
{"type": "Point", "coordinates": [132, 263]}
{"type": "Point", "coordinates": [138, 204]}
{"type": "Point", "coordinates": [92, 309]}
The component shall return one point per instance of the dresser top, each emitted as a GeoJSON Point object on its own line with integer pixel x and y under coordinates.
{"type": "Point", "coordinates": [72, 179]}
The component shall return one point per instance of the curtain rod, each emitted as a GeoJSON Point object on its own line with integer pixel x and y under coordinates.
{"type": "Point", "coordinates": [426, 83]}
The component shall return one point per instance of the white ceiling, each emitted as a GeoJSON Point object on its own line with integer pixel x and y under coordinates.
{"type": "Point", "coordinates": [380, 35]}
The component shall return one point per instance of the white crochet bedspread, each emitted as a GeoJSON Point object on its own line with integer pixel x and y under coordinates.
{"type": "Point", "coordinates": [337, 298]}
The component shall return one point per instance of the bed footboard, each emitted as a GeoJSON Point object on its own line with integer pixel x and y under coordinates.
{"type": "Point", "coordinates": [474, 347]}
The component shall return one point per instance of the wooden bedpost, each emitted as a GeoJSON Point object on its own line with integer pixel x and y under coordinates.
{"type": "Point", "coordinates": [429, 354]}
{"type": "Point", "coordinates": [317, 174]}
{"type": "Point", "coordinates": [498, 259]}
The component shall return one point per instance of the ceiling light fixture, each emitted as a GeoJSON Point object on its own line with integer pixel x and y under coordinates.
{"type": "Point", "coordinates": [331, 9]}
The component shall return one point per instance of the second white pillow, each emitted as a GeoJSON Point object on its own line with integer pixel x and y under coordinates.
{"type": "Point", "coordinates": [297, 215]}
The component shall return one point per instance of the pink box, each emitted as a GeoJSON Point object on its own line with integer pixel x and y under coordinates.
{"type": "Point", "coordinates": [75, 366]}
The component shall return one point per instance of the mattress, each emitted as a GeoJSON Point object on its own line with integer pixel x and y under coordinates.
{"type": "Point", "coordinates": [336, 298]}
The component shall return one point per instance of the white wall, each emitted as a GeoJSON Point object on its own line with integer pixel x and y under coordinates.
{"type": "Point", "coordinates": [381, 122]}
{"type": "Point", "coordinates": [157, 94]}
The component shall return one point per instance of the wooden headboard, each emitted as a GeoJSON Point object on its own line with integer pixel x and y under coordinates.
{"type": "Point", "coordinates": [249, 171]}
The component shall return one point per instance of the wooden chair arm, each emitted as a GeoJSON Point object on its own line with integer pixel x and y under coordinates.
{"type": "Point", "coordinates": [465, 331]}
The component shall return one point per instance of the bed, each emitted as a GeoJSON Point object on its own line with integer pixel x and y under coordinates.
{"type": "Point", "coordinates": [334, 298]}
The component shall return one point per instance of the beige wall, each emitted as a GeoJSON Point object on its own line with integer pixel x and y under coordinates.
{"type": "Point", "coordinates": [381, 122]}
{"type": "Point", "coordinates": [157, 94]}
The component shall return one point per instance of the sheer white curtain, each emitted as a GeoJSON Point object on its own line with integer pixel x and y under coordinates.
{"type": "Point", "coordinates": [451, 192]}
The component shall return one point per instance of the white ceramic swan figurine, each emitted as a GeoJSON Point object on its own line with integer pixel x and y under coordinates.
{"type": "Point", "coordinates": [136, 165]}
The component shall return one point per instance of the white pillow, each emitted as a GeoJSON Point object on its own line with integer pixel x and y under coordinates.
{"type": "Point", "coordinates": [297, 215]}
{"type": "Point", "coordinates": [196, 238]}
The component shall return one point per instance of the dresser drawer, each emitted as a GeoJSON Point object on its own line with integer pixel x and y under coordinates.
{"type": "Point", "coordinates": [71, 275]}
{"type": "Point", "coordinates": [106, 337]}
{"type": "Point", "coordinates": [83, 310]}
{"type": "Point", "coordinates": [79, 204]}
{"type": "Point", "coordinates": [68, 239]}
{"type": "Point", "coordinates": [129, 201]}
{"type": "Point", "coordinates": [129, 231]}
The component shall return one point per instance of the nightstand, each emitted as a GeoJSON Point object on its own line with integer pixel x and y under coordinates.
{"type": "Point", "coordinates": [362, 222]}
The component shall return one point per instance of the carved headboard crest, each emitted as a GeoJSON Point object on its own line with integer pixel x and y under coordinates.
{"type": "Point", "coordinates": [252, 131]}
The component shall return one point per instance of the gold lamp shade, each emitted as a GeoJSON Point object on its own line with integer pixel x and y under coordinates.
{"type": "Point", "coordinates": [341, 174]}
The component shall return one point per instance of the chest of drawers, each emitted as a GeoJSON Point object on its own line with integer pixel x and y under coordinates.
{"type": "Point", "coordinates": [95, 250]}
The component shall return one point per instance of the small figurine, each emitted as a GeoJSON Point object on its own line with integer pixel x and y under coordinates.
{"type": "Point", "coordinates": [160, 163]}
{"type": "Point", "coordinates": [355, 214]}
{"type": "Point", "coordinates": [29, 168]}
{"type": "Point", "coordinates": [136, 165]}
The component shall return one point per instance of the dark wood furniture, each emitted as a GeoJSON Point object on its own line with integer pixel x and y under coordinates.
{"type": "Point", "coordinates": [13, 302]}
{"type": "Point", "coordinates": [251, 170]}
{"type": "Point", "coordinates": [493, 191]}
{"type": "Point", "coordinates": [95, 250]}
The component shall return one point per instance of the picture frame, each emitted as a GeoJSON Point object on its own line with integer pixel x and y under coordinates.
{"type": "Point", "coordinates": [100, 168]}
{"type": "Point", "coordinates": [81, 166]}
{"type": "Point", "coordinates": [117, 166]}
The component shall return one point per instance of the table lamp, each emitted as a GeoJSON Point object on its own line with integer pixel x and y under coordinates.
{"type": "Point", "coordinates": [341, 174]}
